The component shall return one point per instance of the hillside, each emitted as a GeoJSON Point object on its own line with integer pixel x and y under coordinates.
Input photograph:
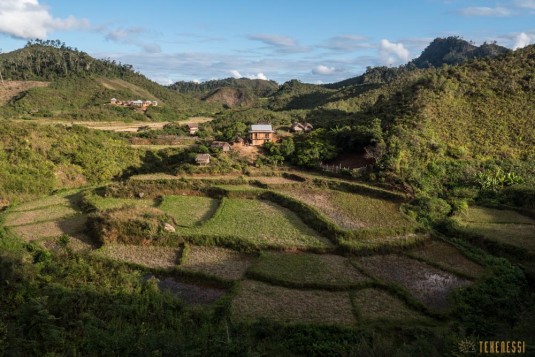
{"type": "Point", "coordinates": [231, 97]}
{"type": "Point", "coordinates": [298, 95]}
{"type": "Point", "coordinates": [455, 50]}
{"type": "Point", "coordinates": [94, 81]}
{"type": "Point", "coordinates": [258, 87]}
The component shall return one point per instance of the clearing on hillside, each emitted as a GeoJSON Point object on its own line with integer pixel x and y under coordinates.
{"type": "Point", "coordinates": [189, 211]}
{"type": "Point", "coordinates": [149, 256]}
{"type": "Point", "coordinates": [374, 304]}
{"type": "Point", "coordinates": [256, 300]}
{"type": "Point", "coordinates": [220, 262]}
{"type": "Point", "coordinates": [11, 89]}
{"type": "Point", "coordinates": [351, 210]}
{"type": "Point", "coordinates": [301, 270]}
{"type": "Point", "coordinates": [447, 257]}
{"type": "Point", "coordinates": [259, 224]}
{"type": "Point", "coordinates": [429, 285]}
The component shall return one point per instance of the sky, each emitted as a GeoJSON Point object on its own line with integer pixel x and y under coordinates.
{"type": "Point", "coordinates": [312, 41]}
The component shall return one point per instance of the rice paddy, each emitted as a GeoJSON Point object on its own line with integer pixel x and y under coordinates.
{"type": "Point", "coordinates": [149, 256]}
{"type": "Point", "coordinates": [303, 269]}
{"type": "Point", "coordinates": [256, 300]}
{"type": "Point", "coordinates": [429, 285]}
{"type": "Point", "coordinates": [189, 211]}
{"type": "Point", "coordinates": [219, 262]}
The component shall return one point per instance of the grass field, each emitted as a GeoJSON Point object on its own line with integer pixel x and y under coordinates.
{"type": "Point", "coordinates": [77, 242]}
{"type": "Point", "coordinates": [189, 211]}
{"type": "Point", "coordinates": [448, 257]}
{"type": "Point", "coordinates": [429, 285]}
{"type": "Point", "coordinates": [489, 215]}
{"type": "Point", "coordinates": [350, 210]}
{"type": "Point", "coordinates": [262, 224]}
{"type": "Point", "coordinates": [220, 262]}
{"type": "Point", "coordinates": [307, 269]}
{"type": "Point", "coordinates": [104, 203]}
{"type": "Point", "coordinates": [256, 300]}
{"type": "Point", "coordinates": [374, 304]}
{"type": "Point", "coordinates": [149, 256]}
{"type": "Point", "coordinates": [47, 213]}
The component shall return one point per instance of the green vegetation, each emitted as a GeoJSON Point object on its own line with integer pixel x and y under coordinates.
{"type": "Point", "coordinates": [306, 270]}
{"type": "Point", "coordinates": [256, 224]}
{"type": "Point", "coordinates": [189, 211]}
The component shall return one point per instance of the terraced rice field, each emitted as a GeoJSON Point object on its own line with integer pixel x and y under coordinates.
{"type": "Point", "coordinates": [303, 269]}
{"type": "Point", "coordinates": [45, 213]}
{"type": "Point", "coordinates": [503, 226]}
{"type": "Point", "coordinates": [374, 304]}
{"type": "Point", "coordinates": [429, 285]}
{"type": "Point", "coordinates": [189, 211]}
{"type": "Point", "coordinates": [260, 223]}
{"type": "Point", "coordinates": [259, 300]}
{"type": "Point", "coordinates": [219, 262]}
{"type": "Point", "coordinates": [149, 256]}
{"type": "Point", "coordinates": [192, 294]}
{"type": "Point", "coordinates": [49, 229]}
{"type": "Point", "coordinates": [447, 257]}
{"type": "Point", "coordinates": [350, 210]}
{"type": "Point", "coordinates": [104, 203]}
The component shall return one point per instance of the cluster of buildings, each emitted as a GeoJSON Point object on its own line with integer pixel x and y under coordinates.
{"type": "Point", "coordinates": [134, 103]}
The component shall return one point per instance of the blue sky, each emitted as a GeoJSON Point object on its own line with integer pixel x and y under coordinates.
{"type": "Point", "coordinates": [313, 41]}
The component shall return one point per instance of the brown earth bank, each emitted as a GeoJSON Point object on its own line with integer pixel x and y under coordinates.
{"type": "Point", "coordinates": [10, 89]}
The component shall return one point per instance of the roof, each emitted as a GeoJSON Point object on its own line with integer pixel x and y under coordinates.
{"type": "Point", "coordinates": [261, 127]}
{"type": "Point", "coordinates": [193, 125]}
{"type": "Point", "coordinates": [202, 157]}
{"type": "Point", "coordinates": [137, 102]}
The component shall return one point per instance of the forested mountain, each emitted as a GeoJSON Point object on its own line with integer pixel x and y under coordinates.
{"type": "Point", "coordinates": [94, 81]}
{"type": "Point", "coordinates": [258, 87]}
{"type": "Point", "coordinates": [455, 50]}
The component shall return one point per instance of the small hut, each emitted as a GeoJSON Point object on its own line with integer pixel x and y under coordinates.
{"type": "Point", "coordinates": [202, 159]}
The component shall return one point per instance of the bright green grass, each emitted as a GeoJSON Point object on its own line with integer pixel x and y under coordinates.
{"type": "Point", "coordinates": [189, 211]}
{"type": "Point", "coordinates": [372, 212]}
{"type": "Point", "coordinates": [374, 304]}
{"type": "Point", "coordinates": [518, 235]}
{"type": "Point", "coordinates": [261, 224]}
{"type": "Point", "coordinates": [490, 215]}
{"type": "Point", "coordinates": [104, 203]}
{"type": "Point", "coordinates": [303, 269]}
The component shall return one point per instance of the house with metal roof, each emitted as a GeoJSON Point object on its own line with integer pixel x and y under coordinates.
{"type": "Point", "coordinates": [260, 134]}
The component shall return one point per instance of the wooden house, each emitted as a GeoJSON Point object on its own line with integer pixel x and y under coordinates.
{"type": "Point", "coordinates": [223, 145]}
{"type": "Point", "coordinates": [202, 159]}
{"type": "Point", "coordinates": [301, 127]}
{"type": "Point", "coordinates": [260, 134]}
{"type": "Point", "coordinates": [193, 128]}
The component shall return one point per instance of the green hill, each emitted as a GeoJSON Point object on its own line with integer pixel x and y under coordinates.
{"type": "Point", "coordinates": [298, 95]}
{"type": "Point", "coordinates": [258, 87]}
{"type": "Point", "coordinates": [94, 81]}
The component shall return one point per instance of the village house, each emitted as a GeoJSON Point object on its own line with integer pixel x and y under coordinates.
{"type": "Point", "coordinates": [260, 134]}
{"type": "Point", "coordinates": [193, 128]}
{"type": "Point", "coordinates": [202, 159]}
{"type": "Point", "coordinates": [301, 127]}
{"type": "Point", "coordinates": [223, 145]}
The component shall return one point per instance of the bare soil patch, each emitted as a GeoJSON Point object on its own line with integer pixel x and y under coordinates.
{"type": "Point", "coordinates": [220, 262]}
{"type": "Point", "coordinates": [256, 300]}
{"type": "Point", "coordinates": [149, 256]}
{"type": "Point", "coordinates": [11, 89]}
{"type": "Point", "coordinates": [429, 285]}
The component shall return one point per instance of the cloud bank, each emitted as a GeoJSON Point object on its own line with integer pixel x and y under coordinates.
{"type": "Point", "coordinates": [393, 53]}
{"type": "Point", "coordinates": [28, 19]}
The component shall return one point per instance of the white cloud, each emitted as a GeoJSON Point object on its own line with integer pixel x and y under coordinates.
{"type": "Point", "coordinates": [522, 40]}
{"type": "Point", "coordinates": [130, 36]}
{"type": "Point", "coordinates": [392, 53]}
{"type": "Point", "coordinates": [323, 70]}
{"type": "Point", "coordinates": [498, 11]}
{"type": "Point", "coordinates": [526, 4]}
{"type": "Point", "coordinates": [282, 44]}
{"type": "Point", "coordinates": [27, 19]}
{"type": "Point", "coordinates": [259, 75]}
{"type": "Point", "coordinates": [234, 73]}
